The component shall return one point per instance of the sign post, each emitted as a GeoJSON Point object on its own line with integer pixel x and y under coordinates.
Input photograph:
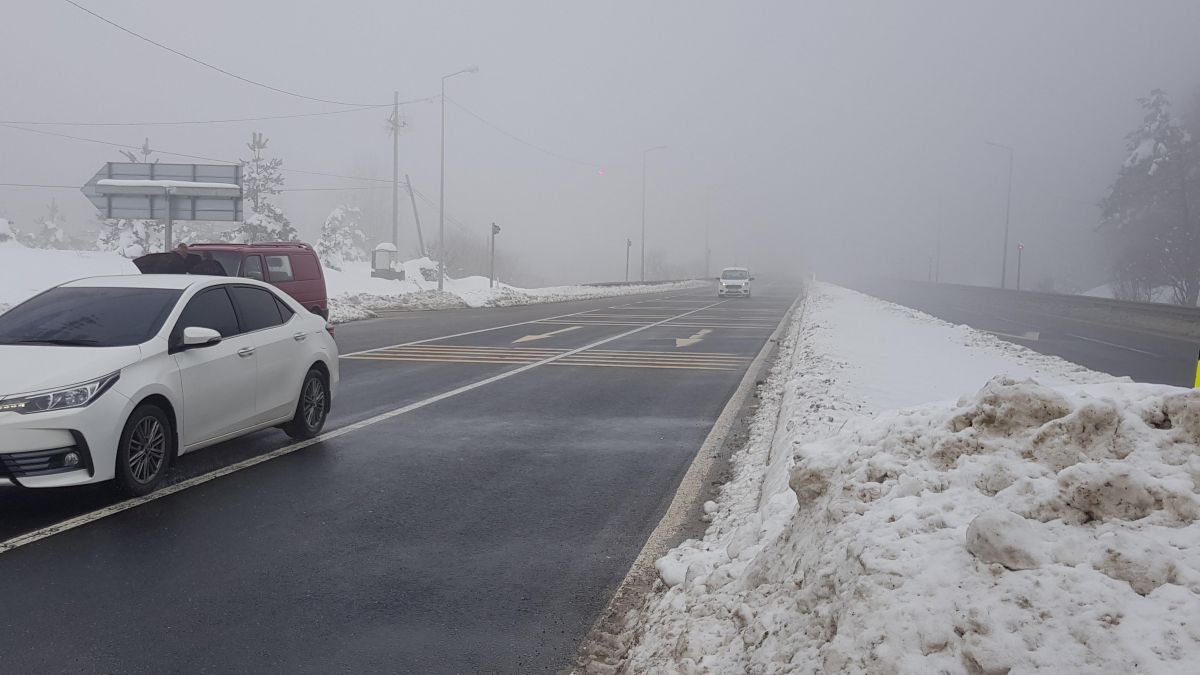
{"type": "Point", "coordinates": [167, 192]}
{"type": "Point", "coordinates": [492, 264]}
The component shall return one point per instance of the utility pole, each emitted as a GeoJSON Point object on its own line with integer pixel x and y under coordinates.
{"type": "Point", "coordinates": [628, 245]}
{"type": "Point", "coordinates": [937, 270]}
{"type": "Point", "coordinates": [1007, 213]}
{"type": "Point", "coordinates": [492, 264]}
{"type": "Point", "coordinates": [644, 153]}
{"type": "Point", "coordinates": [395, 124]}
{"type": "Point", "coordinates": [442, 184]}
{"type": "Point", "coordinates": [416, 215]}
{"type": "Point", "coordinates": [707, 251]}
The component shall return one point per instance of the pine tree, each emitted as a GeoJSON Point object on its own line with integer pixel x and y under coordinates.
{"type": "Point", "coordinates": [1149, 211]}
{"type": "Point", "coordinates": [9, 234]}
{"type": "Point", "coordinates": [342, 239]}
{"type": "Point", "coordinates": [130, 238]}
{"type": "Point", "coordinates": [262, 178]}
{"type": "Point", "coordinates": [48, 231]}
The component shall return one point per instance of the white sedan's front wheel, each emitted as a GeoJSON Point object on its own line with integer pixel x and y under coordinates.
{"type": "Point", "coordinates": [144, 451]}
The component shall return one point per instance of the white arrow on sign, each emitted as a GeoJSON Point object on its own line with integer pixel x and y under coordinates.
{"type": "Point", "coordinates": [543, 336]}
{"type": "Point", "coordinates": [688, 342]}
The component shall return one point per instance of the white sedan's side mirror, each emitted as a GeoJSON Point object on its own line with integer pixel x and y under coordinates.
{"type": "Point", "coordinates": [194, 336]}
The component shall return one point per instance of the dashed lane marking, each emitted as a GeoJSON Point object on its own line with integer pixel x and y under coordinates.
{"type": "Point", "coordinates": [595, 357]}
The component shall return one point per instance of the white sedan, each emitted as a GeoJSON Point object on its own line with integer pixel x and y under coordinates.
{"type": "Point", "coordinates": [111, 378]}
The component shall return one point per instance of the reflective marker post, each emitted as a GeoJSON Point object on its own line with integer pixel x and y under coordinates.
{"type": "Point", "coordinates": [1198, 372]}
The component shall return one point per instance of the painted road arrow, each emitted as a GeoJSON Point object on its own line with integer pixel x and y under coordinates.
{"type": "Point", "coordinates": [688, 342]}
{"type": "Point", "coordinates": [543, 336]}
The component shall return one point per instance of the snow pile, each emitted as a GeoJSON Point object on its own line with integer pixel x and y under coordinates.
{"type": "Point", "coordinates": [354, 294]}
{"type": "Point", "coordinates": [1026, 527]}
{"type": "Point", "coordinates": [25, 272]}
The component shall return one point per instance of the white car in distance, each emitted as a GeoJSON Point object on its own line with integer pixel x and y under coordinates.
{"type": "Point", "coordinates": [734, 282]}
{"type": "Point", "coordinates": [111, 378]}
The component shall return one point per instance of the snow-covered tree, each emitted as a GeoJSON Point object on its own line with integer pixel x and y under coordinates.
{"type": "Point", "coordinates": [262, 178]}
{"type": "Point", "coordinates": [342, 239]}
{"type": "Point", "coordinates": [130, 238]}
{"type": "Point", "coordinates": [9, 234]}
{"type": "Point", "coordinates": [1150, 211]}
{"type": "Point", "coordinates": [49, 230]}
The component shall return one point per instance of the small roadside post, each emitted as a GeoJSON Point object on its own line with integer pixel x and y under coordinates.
{"type": "Point", "coordinates": [1020, 249]}
{"type": "Point", "coordinates": [628, 245]}
{"type": "Point", "coordinates": [492, 264]}
{"type": "Point", "coordinates": [167, 192]}
{"type": "Point", "coordinates": [1197, 385]}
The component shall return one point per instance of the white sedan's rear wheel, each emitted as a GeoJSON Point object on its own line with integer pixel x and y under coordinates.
{"type": "Point", "coordinates": [313, 407]}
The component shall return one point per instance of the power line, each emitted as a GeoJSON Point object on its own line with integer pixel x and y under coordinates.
{"type": "Point", "coordinates": [42, 123]}
{"type": "Point", "coordinates": [522, 141]}
{"type": "Point", "coordinates": [211, 66]}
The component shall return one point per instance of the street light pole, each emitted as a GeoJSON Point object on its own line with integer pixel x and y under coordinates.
{"type": "Point", "coordinates": [442, 185]}
{"type": "Point", "coordinates": [1007, 213]}
{"type": "Point", "coordinates": [628, 245]}
{"type": "Point", "coordinates": [644, 153]}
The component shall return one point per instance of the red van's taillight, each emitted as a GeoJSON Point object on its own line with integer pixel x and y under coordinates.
{"type": "Point", "coordinates": [329, 329]}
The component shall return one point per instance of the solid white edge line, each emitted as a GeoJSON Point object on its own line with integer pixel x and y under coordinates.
{"type": "Point", "coordinates": [1114, 345]}
{"type": "Point", "coordinates": [692, 483]}
{"type": "Point", "coordinates": [78, 521]}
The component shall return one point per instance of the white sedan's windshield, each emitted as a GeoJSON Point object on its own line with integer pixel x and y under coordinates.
{"type": "Point", "coordinates": [88, 317]}
{"type": "Point", "coordinates": [735, 274]}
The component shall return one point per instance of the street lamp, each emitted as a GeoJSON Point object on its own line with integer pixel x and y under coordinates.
{"type": "Point", "coordinates": [644, 153]}
{"type": "Point", "coordinates": [442, 184]}
{"type": "Point", "coordinates": [1007, 212]}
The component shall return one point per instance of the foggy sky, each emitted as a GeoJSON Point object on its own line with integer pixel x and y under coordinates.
{"type": "Point", "coordinates": [805, 135]}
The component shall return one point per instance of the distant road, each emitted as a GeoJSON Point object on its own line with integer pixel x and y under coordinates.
{"type": "Point", "coordinates": [1141, 354]}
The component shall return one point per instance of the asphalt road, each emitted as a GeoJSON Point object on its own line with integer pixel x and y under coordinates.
{"type": "Point", "coordinates": [1143, 355]}
{"type": "Point", "coordinates": [482, 494]}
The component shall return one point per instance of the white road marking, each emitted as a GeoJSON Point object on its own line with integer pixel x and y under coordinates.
{"type": "Point", "coordinates": [695, 339]}
{"type": "Point", "coordinates": [79, 521]}
{"type": "Point", "coordinates": [543, 336]}
{"type": "Point", "coordinates": [1114, 345]}
{"type": "Point", "coordinates": [1030, 335]}
{"type": "Point", "coordinates": [470, 332]}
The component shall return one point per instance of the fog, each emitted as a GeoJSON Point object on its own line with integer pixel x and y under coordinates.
{"type": "Point", "coordinates": [835, 137]}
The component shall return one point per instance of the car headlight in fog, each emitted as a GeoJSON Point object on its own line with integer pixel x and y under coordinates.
{"type": "Point", "coordinates": [74, 396]}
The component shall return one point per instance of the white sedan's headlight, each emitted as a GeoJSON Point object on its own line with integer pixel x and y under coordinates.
{"type": "Point", "coordinates": [74, 396]}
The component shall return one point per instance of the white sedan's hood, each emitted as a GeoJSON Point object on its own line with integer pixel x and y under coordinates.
{"type": "Point", "coordinates": [31, 368]}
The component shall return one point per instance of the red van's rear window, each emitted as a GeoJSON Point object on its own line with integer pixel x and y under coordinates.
{"type": "Point", "coordinates": [305, 267]}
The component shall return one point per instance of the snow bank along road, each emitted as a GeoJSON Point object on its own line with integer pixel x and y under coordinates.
{"type": "Point", "coordinates": [1134, 351]}
{"type": "Point", "coordinates": [939, 501]}
{"type": "Point", "coordinates": [487, 479]}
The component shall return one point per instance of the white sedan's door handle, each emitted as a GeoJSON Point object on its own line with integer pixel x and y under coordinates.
{"type": "Point", "coordinates": [299, 337]}
{"type": "Point", "coordinates": [246, 352]}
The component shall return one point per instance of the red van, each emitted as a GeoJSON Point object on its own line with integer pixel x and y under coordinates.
{"type": "Point", "coordinates": [291, 266]}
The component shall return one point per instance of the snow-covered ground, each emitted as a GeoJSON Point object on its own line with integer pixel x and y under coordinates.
{"type": "Point", "coordinates": [918, 497]}
{"type": "Point", "coordinates": [25, 272]}
{"type": "Point", "coordinates": [353, 293]}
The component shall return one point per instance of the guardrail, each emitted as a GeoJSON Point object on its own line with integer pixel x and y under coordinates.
{"type": "Point", "coordinates": [640, 283]}
{"type": "Point", "coordinates": [1174, 320]}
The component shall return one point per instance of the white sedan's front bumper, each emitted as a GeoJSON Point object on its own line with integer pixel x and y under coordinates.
{"type": "Point", "coordinates": [733, 290]}
{"type": "Point", "coordinates": [93, 431]}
